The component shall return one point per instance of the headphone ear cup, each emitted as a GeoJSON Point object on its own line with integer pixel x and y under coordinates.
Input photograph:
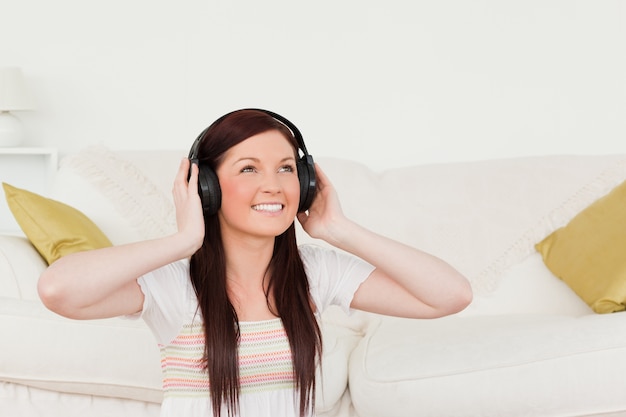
{"type": "Point", "coordinates": [209, 190]}
{"type": "Point", "coordinates": [308, 182]}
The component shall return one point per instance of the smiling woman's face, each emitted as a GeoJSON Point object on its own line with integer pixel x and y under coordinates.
{"type": "Point", "coordinates": [260, 187]}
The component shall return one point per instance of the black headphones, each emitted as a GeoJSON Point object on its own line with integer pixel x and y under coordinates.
{"type": "Point", "coordinates": [209, 185]}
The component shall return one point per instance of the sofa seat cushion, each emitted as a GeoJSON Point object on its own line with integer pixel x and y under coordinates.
{"type": "Point", "coordinates": [507, 365]}
{"type": "Point", "coordinates": [120, 358]}
{"type": "Point", "coordinates": [112, 357]}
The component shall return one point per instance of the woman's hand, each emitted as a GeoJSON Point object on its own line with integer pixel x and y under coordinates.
{"type": "Point", "coordinates": [325, 217]}
{"type": "Point", "coordinates": [189, 216]}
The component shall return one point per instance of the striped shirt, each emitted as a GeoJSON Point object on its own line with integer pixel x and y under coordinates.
{"type": "Point", "coordinates": [264, 360]}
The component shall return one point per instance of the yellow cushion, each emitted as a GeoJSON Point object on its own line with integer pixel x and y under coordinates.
{"type": "Point", "coordinates": [54, 228]}
{"type": "Point", "coordinates": [589, 253]}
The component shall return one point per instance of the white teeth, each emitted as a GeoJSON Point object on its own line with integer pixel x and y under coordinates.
{"type": "Point", "coordinates": [268, 207]}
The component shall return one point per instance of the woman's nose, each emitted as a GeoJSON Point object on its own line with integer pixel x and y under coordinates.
{"type": "Point", "coordinates": [271, 183]}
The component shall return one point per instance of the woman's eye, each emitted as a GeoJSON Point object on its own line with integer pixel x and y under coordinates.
{"type": "Point", "coordinates": [287, 168]}
{"type": "Point", "coordinates": [247, 169]}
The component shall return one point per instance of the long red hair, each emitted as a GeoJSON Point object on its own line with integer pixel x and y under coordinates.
{"type": "Point", "coordinates": [288, 283]}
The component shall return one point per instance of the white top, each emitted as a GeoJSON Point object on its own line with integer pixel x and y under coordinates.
{"type": "Point", "coordinates": [266, 372]}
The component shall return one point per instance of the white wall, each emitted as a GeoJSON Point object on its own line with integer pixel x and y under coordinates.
{"type": "Point", "coordinates": [387, 82]}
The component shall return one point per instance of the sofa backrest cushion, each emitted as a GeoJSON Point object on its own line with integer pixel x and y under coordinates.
{"type": "Point", "coordinates": [482, 217]}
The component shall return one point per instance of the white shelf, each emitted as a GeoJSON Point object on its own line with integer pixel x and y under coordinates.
{"type": "Point", "coordinates": [32, 169]}
{"type": "Point", "coordinates": [28, 151]}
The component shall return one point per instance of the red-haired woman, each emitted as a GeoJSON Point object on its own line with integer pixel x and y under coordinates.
{"type": "Point", "coordinates": [232, 300]}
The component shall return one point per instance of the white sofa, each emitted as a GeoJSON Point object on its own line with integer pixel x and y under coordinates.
{"type": "Point", "coordinates": [526, 346]}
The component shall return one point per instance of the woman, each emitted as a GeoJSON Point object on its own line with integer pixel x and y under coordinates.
{"type": "Point", "coordinates": [230, 297]}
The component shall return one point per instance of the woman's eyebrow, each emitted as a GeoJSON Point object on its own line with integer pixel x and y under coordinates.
{"type": "Point", "coordinates": [255, 159]}
{"type": "Point", "coordinates": [247, 158]}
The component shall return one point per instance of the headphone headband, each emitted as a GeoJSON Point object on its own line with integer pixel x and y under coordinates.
{"type": "Point", "coordinates": [193, 152]}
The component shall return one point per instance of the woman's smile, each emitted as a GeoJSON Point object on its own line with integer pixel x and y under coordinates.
{"type": "Point", "coordinates": [268, 207]}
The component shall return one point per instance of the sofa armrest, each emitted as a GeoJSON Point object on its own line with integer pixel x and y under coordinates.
{"type": "Point", "coordinates": [20, 268]}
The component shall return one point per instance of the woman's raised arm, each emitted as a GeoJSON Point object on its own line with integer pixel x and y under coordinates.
{"type": "Point", "coordinates": [103, 283]}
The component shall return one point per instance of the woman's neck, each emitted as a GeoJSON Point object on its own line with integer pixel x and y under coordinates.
{"type": "Point", "coordinates": [247, 260]}
{"type": "Point", "coordinates": [247, 275]}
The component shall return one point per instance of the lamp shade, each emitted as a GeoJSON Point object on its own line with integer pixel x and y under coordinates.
{"type": "Point", "coordinates": [13, 92]}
